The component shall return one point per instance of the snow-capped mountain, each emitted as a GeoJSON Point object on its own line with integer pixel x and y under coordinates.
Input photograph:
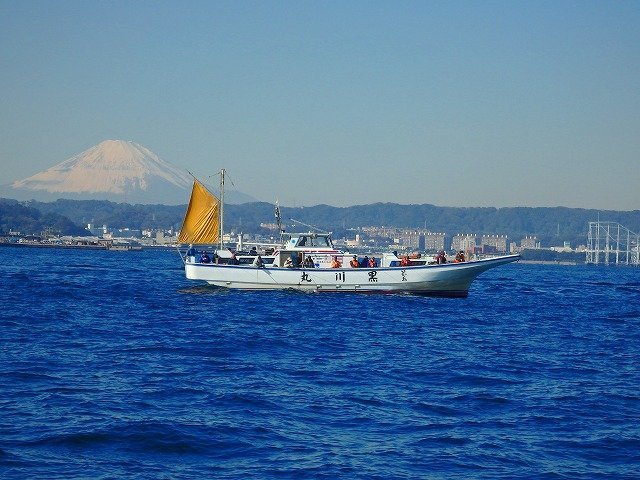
{"type": "Point", "coordinates": [113, 170]}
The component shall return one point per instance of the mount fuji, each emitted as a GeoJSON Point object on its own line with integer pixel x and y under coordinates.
{"type": "Point", "coordinates": [115, 170]}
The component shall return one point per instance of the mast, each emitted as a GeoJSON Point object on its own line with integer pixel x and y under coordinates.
{"type": "Point", "coordinates": [279, 221]}
{"type": "Point", "coordinates": [221, 208]}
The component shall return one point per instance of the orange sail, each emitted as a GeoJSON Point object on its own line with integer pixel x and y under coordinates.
{"type": "Point", "coordinates": [201, 223]}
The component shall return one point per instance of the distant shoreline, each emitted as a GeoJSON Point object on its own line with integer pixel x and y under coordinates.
{"type": "Point", "coordinates": [117, 248]}
{"type": "Point", "coordinates": [163, 247]}
{"type": "Point", "coordinates": [46, 245]}
{"type": "Point", "coordinates": [549, 262]}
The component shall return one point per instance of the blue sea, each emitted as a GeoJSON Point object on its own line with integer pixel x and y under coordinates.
{"type": "Point", "coordinates": [113, 365]}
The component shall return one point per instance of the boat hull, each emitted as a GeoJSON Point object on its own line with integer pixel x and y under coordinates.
{"type": "Point", "coordinates": [450, 280]}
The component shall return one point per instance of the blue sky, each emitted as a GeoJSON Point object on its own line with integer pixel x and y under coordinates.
{"type": "Point", "coordinates": [474, 103]}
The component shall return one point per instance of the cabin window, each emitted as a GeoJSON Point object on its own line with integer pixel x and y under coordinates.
{"type": "Point", "coordinates": [313, 241]}
{"type": "Point", "coordinates": [322, 242]}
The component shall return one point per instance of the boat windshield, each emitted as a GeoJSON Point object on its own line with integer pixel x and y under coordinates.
{"type": "Point", "coordinates": [314, 241]}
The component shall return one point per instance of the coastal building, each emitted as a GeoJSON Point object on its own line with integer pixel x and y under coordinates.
{"type": "Point", "coordinates": [499, 242]}
{"type": "Point", "coordinates": [434, 241]}
{"type": "Point", "coordinates": [420, 240]}
{"type": "Point", "coordinates": [97, 231]}
{"type": "Point", "coordinates": [529, 242]}
{"type": "Point", "coordinates": [128, 232]}
{"type": "Point", "coordinates": [410, 239]}
{"type": "Point", "coordinates": [566, 247]}
{"type": "Point", "coordinates": [466, 242]}
{"type": "Point", "coordinates": [357, 242]}
{"type": "Point", "coordinates": [471, 242]}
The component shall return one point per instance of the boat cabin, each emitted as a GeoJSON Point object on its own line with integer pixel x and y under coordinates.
{"type": "Point", "coordinates": [310, 241]}
{"type": "Point", "coordinates": [301, 250]}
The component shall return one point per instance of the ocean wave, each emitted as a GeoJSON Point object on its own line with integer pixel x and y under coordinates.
{"type": "Point", "coordinates": [115, 372]}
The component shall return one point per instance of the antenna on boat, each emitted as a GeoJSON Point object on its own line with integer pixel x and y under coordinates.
{"type": "Point", "coordinates": [279, 220]}
{"type": "Point", "coordinates": [317, 229]}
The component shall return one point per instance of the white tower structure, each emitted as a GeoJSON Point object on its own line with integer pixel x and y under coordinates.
{"type": "Point", "coordinates": [612, 243]}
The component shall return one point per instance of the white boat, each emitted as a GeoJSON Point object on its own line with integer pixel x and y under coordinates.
{"type": "Point", "coordinates": [303, 261]}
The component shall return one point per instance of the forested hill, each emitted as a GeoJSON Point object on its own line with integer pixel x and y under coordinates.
{"type": "Point", "coordinates": [550, 224]}
{"type": "Point", "coordinates": [29, 220]}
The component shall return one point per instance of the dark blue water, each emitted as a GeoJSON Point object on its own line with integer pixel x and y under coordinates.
{"type": "Point", "coordinates": [112, 365]}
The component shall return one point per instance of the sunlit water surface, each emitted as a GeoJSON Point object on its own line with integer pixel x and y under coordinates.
{"type": "Point", "coordinates": [112, 365]}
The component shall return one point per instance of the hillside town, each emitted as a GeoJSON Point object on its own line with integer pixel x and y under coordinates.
{"type": "Point", "coordinates": [365, 239]}
{"type": "Point", "coordinates": [606, 242]}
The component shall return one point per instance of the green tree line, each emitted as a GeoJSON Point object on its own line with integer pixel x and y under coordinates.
{"type": "Point", "coordinates": [551, 225]}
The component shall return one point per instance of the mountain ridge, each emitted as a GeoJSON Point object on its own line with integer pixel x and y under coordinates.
{"type": "Point", "coordinates": [549, 224]}
{"type": "Point", "coordinates": [114, 170]}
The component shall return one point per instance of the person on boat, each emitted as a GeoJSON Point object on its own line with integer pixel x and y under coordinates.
{"type": "Point", "coordinates": [335, 263]}
{"type": "Point", "coordinates": [253, 251]}
{"type": "Point", "coordinates": [372, 262]}
{"type": "Point", "coordinates": [441, 257]}
{"type": "Point", "coordinates": [288, 263]}
{"type": "Point", "coordinates": [364, 263]}
{"type": "Point", "coordinates": [405, 262]}
{"type": "Point", "coordinates": [295, 260]}
{"type": "Point", "coordinates": [204, 257]}
{"type": "Point", "coordinates": [308, 262]}
{"type": "Point", "coordinates": [258, 262]}
{"type": "Point", "coordinates": [192, 253]}
{"type": "Point", "coordinates": [459, 257]}
{"type": "Point", "coordinates": [353, 263]}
